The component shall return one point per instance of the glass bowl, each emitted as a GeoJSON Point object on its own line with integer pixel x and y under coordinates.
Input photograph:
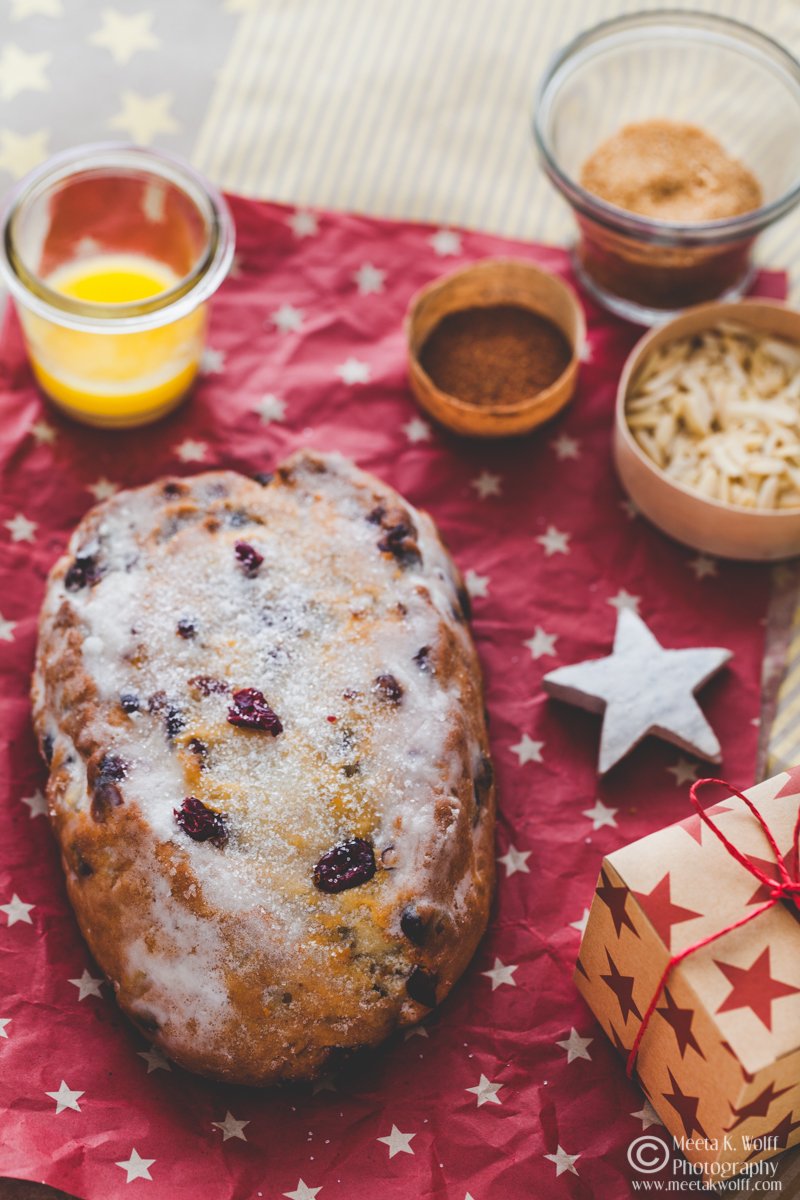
{"type": "Point", "coordinates": [734, 83]}
{"type": "Point", "coordinates": [111, 253]}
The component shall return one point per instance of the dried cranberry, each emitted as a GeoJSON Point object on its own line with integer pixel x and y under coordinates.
{"type": "Point", "coordinates": [465, 602]}
{"type": "Point", "coordinates": [264, 477]}
{"type": "Point", "coordinates": [251, 711]}
{"type": "Point", "coordinates": [237, 517]}
{"type": "Point", "coordinates": [186, 627]}
{"type": "Point", "coordinates": [345, 866]}
{"type": "Point", "coordinates": [388, 689]}
{"type": "Point", "coordinates": [172, 488]}
{"type": "Point", "coordinates": [249, 558]}
{"type": "Point", "coordinates": [174, 718]}
{"type": "Point", "coordinates": [47, 748]}
{"type": "Point", "coordinates": [413, 926]}
{"type": "Point", "coordinates": [200, 749]}
{"type": "Point", "coordinates": [206, 684]}
{"type": "Point", "coordinates": [202, 824]}
{"type": "Point", "coordinates": [84, 568]}
{"type": "Point", "coordinates": [84, 868]}
{"type": "Point", "coordinates": [421, 986]}
{"type": "Point", "coordinates": [376, 516]}
{"type": "Point", "coordinates": [484, 778]}
{"type": "Point", "coordinates": [423, 659]}
{"type": "Point", "coordinates": [112, 767]}
{"type": "Point", "coordinates": [399, 542]}
{"type": "Point", "coordinates": [129, 701]}
{"type": "Point", "coordinates": [105, 793]}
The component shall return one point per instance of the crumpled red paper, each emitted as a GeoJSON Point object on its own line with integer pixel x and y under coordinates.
{"type": "Point", "coordinates": [494, 503]}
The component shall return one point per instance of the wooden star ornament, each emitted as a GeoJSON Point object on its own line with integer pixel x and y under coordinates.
{"type": "Point", "coordinates": [641, 688]}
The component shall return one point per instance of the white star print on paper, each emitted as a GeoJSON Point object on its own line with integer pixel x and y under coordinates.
{"type": "Point", "coordinates": [647, 1115]}
{"type": "Point", "coordinates": [580, 924]}
{"type": "Point", "coordinates": [36, 803]}
{"type": "Point", "coordinates": [624, 600]}
{"type": "Point", "coordinates": [487, 484]}
{"type": "Point", "coordinates": [416, 1031]}
{"type": "Point", "coordinates": [303, 1192]}
{"type": "Point", "coordinates": [684, 771]}
{"type": "Point", "coordinates": [231, 1128]}
{"type": "Point", "coordinates": [235, 269]}
{"type": "Point", "coordinates": [155, 1060]}
{"type": "Point", "coordinates": [102, 489]}
{"type": "Point", "coordinates": [44, 434]}
{"type": "Point", "coordinates": [445, 242]}
{"type": "Point", "coordinates": [541, 643]}
{"type": "Point", "coordinates": [287, 318]}
{"type": "Point", "coordinates": [477, 585]}
{"type": "Point", "coordinates": [32, 8]}
{"type": "Point", "coordinates": [417, 430]}
{"type": "Point", "coordinates": [575, 1046]}
{"type": "Point", "coordinates": [527, 750]}
{"type": "Point", "coordinates": [554, 541]}
{"type": "Point", "coordinates": [65, 1098]}
{"type": "Point", "coordinates": [7, 629]}
{"type": "Point", "coordinates": [703, 566]}
{"type": "Point", "coordinates": [87, 985]}
{"type": "Point", "coordinates": [566, 447]}
{"type": "Point", "coordinates": [515, 860]}
{"type": "Point", "coordinates": [123, 34]}
{"type": "Point", "coordinates": [485, 1091]}
{"type": "Point", "coordinates": [136, 1167]}
{"type": "Point", "coordinates": [501, 974]}
{"type": "Point", "coordinates": [303, 223]}
{"type": "Point", "coordinates": [369, 280]}
{"type": "Point", "coordinates": [191, 451]}
{"type": "Point", "coordinates": [398, 1143]}
{"type": "Point", "coordinates": [17, 910]}
{"type": "Point", "coordinates": [145, 117]}
{"type": "Point", "coordinates": [20, 153]}
{"type": "Point", "coordinates": [3, 1022]}
{"type": "Point", "coordinates": [21, 529]}
{"type": "Point", "coordinates": [601, 815]}
{"type": "Point", "coordinates": [564, 1162]}
{"type": "Point", "coordinates": [21, 72]}
{"type": "Point", "coordinates": [212, 362]}
{"type": "Point", "coordinates": [629, 508]}
{"type": "Point", "coordinates": [354, 370]}
{"type": "Point", "coordinates": [270, 408]}
{"type": "Point", "coordinates": [586, 355]}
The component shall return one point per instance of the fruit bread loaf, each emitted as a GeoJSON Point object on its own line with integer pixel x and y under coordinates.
{"type": "Point", "coordinates": [262, 712]}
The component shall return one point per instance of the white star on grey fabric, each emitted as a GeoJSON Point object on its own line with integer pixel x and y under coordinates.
{"type": "Point", "coordinates": [642, 689]}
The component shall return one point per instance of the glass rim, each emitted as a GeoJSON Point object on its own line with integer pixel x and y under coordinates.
{"type": "Point", "coordinates": [737, 34]}
{"type": "Point", "coordinates": [200, 282]}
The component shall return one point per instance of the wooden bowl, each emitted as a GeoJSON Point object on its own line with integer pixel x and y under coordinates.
{"type": "Point", "coordinates": [491, 282]}
{"type": "Point", "coordinates": [712, 526]}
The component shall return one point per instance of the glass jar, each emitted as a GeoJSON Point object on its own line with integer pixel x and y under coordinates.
{"type": "Point", "coordinates": [111, 253]}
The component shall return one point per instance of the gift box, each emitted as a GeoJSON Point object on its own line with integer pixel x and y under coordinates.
{"type": "Point", "coordinates": [719, 1057]}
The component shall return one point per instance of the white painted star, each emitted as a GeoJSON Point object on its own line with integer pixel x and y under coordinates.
{"type": "Point", "coordinates": [21, 529]}
{"type": "Point", "coordinates": [684, 771]}
{"type": "Point", "coordinates": [703, 566]}
{"type": "Point", "coordinates": [417, 431]}
{"type": "Point", "coordinates": [325, 1083]}
{"type": "Point", "coordinates": [580, 924]}
{"type": "Point", "coordinates": [575, 1046]}
{"type": "Point", "coordinates": [541, 643]}
{"type": "Point", "coordinates": [17, 910]}
{"type": "Point", "coordinates": [36, 803]}
{"type": "Point", "coordinates": [485, 1091]}
{"type": "Point", "coordinates": [476, 585]}
{"type": "Point", "coordinates": [21, 152]}
{"type": "Point", "coordinates": [287, 318]}
{"type": "Point", "coordinates": [586, 352]}
{"type": "Point", "coordinates": [501, 973]}
{"type": "Point", "coordinates": [353, 370]}
{"type": "Point", "coordinates": [487, 484]}
{"type": "Point", "coordinates": [624, 600]}
{"type": "Point", "coordinates": [3, 1022]}
{"type": "Point", "coordinates": [564, 1162]}
{"type": "Point", "coordinates": [601, 815]}
{"type": "Point", "coordinates": [231, 1128]}
{"type": "Point", "coordinates": [122, 34]}
{"type": "Point", "coordinates": [33, 8]}
{"type": "Point", "coordinates": [236, 268]}
{"type": "Point", "coordinates": [102, 489]}
{"type": "Point", "coordinates": [7, 629]}
{"type": "Point", "coordinates": [515, 860]}
{"type": "Point", "coordinates": [303, 1192]}
{"type": "Point", "coordinates": [43, 433]}
{"type": "Point", "coordinates": [191, 451]}
{"type": "Point", "coordinates": [527, 750]}
{"type": "Point", "coordinates": [20, 71]}
{"type": "Point", "coordinates": [629, 508]}
{"type": "Point", "coordinates": [304, 223]}
{"type": "Point", "coordinates": [648, 1115]}
{"type": "Point", "coordinates": [145, 117]}
{"type": "Point", "coordinates": [369, 279]}
{"type": "Point", "coordinates": [65, 1098]}
{"type": "Point", "coordinates": [554, 541]}
{"type": "Point", "coordinates": [446, 242]}
{"type": "Point", "coordinates": [416, 1031]}
{"type": "Point", "coordinates": [398, 1143]}
{"type": "Point", "coordinates": [566, 447]}
{"type": "Point", "coordinates": [155, 1060]}
{"type": "Point", "coordinates": [212, 362]}
{"type": "Point", "coordinates": [87, 985]}
{"type": "Point", "coordinates": [270, 408]}
{"type": "Point", "coordinates": [136, 1167]}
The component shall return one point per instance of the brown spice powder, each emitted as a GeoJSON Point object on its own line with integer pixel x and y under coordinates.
{"type": "Point", "coordinates": [671, 171]}
{"type": "Point", "coordinates": [495, 355]}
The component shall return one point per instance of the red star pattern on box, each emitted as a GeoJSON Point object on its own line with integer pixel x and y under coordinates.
{"type": "Point", "coordinates": [496, 1095]}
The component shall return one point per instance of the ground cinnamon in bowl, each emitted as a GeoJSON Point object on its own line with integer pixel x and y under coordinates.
{"type": "Point", "coordinates": [495, 355]}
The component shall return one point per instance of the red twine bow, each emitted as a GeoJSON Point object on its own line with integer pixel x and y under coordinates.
{"type": "Point", "coordinates": [786, 887]}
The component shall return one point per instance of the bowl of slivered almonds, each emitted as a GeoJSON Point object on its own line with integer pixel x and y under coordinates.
{"type": "Point", "coordinates": [707, 429]}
